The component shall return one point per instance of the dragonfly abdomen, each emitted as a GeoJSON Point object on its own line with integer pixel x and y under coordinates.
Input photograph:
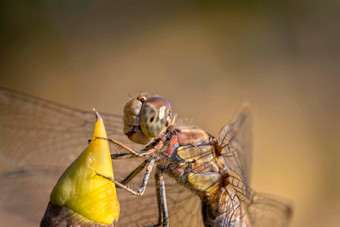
{"type": "Point", "coordinates": [224, 209]}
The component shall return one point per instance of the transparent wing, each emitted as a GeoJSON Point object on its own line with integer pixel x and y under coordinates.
{"type": "Point", "coordinates": [267, 210]}
{"type": "Point", "coordinates": [184, 207]}
{"type": "Point", "coordinates": [39, 139]}
{"type": "Point", "coordinates": [242, 206]}
{"type": "Point", "coordinates": [235, 140]}
{"type": "Point", "coordinates": [257, 210]}
{"type": "Point", "coordinates": [32, 128]}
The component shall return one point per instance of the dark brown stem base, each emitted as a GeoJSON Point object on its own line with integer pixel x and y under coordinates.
{"type": "Point", "coordinates": [56, 216]}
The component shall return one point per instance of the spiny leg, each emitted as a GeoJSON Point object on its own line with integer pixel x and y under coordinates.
{"type": "Point", "coordinates": [129, 155]}
{"type": "Point", "coordinates": [161, 198]}
{"type": "Point", "coordinates": [122, 146]}
{"type": "Point", "coordinates": [135, 172]}
{"type": "Point", "coordinates": [141, 190]}
{"type": "Point", "coordinates": [159, 202]}
{"type": "Point", "coordinates": [123, 156]}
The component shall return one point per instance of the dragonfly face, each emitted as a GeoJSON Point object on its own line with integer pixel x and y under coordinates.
{"type": "Point", "coordinates": [145, 118]}
{"type": "Point", "coordinates": [194, 163]}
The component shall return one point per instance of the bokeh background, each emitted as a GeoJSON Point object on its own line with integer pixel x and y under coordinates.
{"type": "Point", "coordinates": [207, 58]}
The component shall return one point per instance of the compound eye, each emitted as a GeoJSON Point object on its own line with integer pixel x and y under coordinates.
{"type": "Point", "coordinates": [154, 116]}
{"type": "Point", "coordinates": [142, 97]}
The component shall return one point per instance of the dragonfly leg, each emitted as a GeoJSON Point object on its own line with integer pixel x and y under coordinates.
{"type": "Point", "coordinates": [143, 153]}
{"type": "Point", "coordinates": [135, 172]}
{"type": "Point", "coordinates": [123, 156]}
{"type": "Point", "coordinates": [141, 190]}
{"type": "Point", "coordinates": [122, 146]}
{"type": "Point", "coordinates": [161, 198]}
{"type": "Point", "coordinates": [159, 202]}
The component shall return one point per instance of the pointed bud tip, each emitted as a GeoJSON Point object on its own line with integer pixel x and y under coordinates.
{"type": "Point", "coordinates": [97, 114]}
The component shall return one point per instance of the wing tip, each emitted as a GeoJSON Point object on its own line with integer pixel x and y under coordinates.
{"type": "Point", "coordinates": [243, 110]}
{"type": "Point", "coordinates": [245, 107]}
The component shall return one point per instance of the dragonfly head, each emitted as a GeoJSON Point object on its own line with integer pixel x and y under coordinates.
{"type": "Point", "coordinates": [146, 118]}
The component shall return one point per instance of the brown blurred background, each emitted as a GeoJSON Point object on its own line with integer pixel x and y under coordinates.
{"type": "Point", "coordinates": [207, 58]}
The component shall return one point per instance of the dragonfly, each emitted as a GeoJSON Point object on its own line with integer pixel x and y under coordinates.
{"type": "Point", "coordinates": [198, 179]}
